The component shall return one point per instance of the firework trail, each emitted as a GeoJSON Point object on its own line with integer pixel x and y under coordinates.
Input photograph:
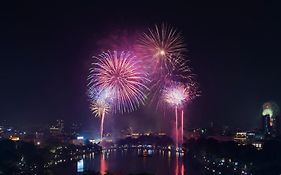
{"type": "Point", "coordinates": [99, 100]}
{"type": "Point", "coordinates": [122, 74]}
{"type": "Point", "coordinates": [102, 124]}
{"type": "Point", "coordinates": [176, 95]}
{"type": "Point", "coordinates": [182, 123]}
{"type": "Point", "coordinates": [177, 134]}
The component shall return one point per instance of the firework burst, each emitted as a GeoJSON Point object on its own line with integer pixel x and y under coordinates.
{"type": "Point", "coordinates": [163, 46]}
{"type": "Point", "coordinates": [122, 75]}
{"type": "Point", "coordinates": [99, 107]}
{"type": "Point", "coordinates": [99, 101]}
{"type": "Point", "coordinates": [176, 94]}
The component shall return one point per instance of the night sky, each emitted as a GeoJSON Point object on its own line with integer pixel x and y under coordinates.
{"type": "Point", "coordinates": [46, 50]}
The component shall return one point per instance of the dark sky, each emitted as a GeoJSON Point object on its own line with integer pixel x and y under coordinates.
{"type": "Point", "coordinates": [235, 50]}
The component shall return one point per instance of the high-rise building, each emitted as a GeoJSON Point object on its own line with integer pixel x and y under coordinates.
{"type": "Point", "coordinates": [270, 119]}
{"type": "Point", "coordinates": [57, 127]}
{"type": "Point", "coordinates": [75, 128]}
{"type": "Point", "coordinates": [266, 124]}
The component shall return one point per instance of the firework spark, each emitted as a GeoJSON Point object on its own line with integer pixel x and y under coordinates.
{"type": "Point", "coordinates": [177, 134]}
{"type": "Point", "coordinates": [182, 123]}
{"type": "Point", "coordinates": [121, 74]}
{"type": "Point", "coordinates": [176, 94]}
{"type": "Point", "coordinates": [163, 46]}
{"type": "Point", "coordinates": [99, 107]}
{"type": "Point", "coordinates": [99, 101]}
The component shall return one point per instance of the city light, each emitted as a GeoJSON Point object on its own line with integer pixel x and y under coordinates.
{"type": "Point", "coordinates": [80, 138]}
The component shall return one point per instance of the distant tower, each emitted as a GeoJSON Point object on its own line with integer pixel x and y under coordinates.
{"type": "Point", "coordinates": [60, 125]}
{"type": "Point", "coordinates": [57, 128]}
{"type": "Point", "coordinates": [270, 119]}
{"type": "Point", "coordinates": [266, 124]}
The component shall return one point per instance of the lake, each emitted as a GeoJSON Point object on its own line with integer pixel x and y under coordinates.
{"type": "Point", "coordinates": [130, 161]}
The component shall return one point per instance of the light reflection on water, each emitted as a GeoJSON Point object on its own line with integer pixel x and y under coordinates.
{"type": "Point", "coordinates": [103, 167]}
{"type": "Point", "coordinates": [134, 161]}
{"type": "Point", "coordinates": [80, 166]}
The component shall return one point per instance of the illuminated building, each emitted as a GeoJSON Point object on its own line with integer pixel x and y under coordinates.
{"type": "Point", "coordinates": [1, 130]}
{"type": "Point", "coordinates": [54, 130]}
{"type": "Point", "coordinates": [270, 119]}
{"type": "Point", "coordinates": [162, 134]}
{"type": "Point", "coordinates": [258, 145]}
{"type": "Point", "coordinates": [78, 141]}
{"type": "Point", "coordinates": [240, 137]}
{"type": "Point", "coordinates": [135, 135]}
{"type": "Point", "coordinates": [14, 138]}
{"type": "Point", "coordinates": [250, 137]}
{"type": "Point", "coordinates": [267, 124]}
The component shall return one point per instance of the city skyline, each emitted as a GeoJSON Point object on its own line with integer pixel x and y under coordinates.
{"type": "Point", "coordinates": [140, 88]}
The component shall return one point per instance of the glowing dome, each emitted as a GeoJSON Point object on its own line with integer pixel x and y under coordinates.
{"type": "Point", "coordinates": [270, 108]}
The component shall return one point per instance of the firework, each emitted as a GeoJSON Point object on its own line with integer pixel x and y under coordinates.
{"type": "Point", "coordinates": [182, 123]}
{"type": "Point", "coordinates": [99, 104]}
{"type": "Point", "coordinates": [271, 109]}
{"type": "Point", "coordinates": [163, 46]}
{"type": "Point", "coordinates": [99, 101]}
{"type": "Point", "coordinates": [100, 108]}
{"type": "Point", "coordinates": [177, 134]}
{"type": "Point", "coordinates": [122, 75]}
{"type": "Point", "coordinates": [176, 95]}
{"type": "Point", "coordinates": [160, 82]}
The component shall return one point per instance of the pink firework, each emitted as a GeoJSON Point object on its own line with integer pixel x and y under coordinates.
{"type": "Point", "coordinates": [120, 73]}
{"type": "Point", "coordinates": [163, 49]}
{"type": "Point", "coordinates": [176, 95]}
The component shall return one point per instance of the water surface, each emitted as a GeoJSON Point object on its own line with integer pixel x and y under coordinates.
{"type": "Point", "coordinates": [130, 161]}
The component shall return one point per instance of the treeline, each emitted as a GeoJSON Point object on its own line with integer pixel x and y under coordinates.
{"type": "Point", "coordinates": [18, 157]}
{"type": "Point", "coordinates": [147, 140]}
{"type": "Point", "coordinates": [25, 158]}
